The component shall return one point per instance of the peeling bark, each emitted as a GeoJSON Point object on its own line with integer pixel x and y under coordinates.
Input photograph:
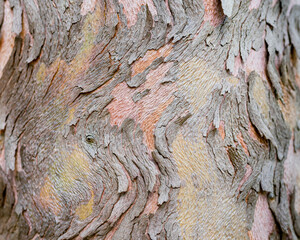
{"type": "Point", "coordinates": [149, 119]}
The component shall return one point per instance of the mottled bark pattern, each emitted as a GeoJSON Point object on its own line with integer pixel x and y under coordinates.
{"type": "Point", "coordinates": [149, 119]}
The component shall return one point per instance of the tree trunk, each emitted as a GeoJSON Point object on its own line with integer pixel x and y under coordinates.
{"type": "Point", "coordinates": [149, 119]}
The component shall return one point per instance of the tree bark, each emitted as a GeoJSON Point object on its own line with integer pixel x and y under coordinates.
{"type": "Point", "coordinates": [149, 119]}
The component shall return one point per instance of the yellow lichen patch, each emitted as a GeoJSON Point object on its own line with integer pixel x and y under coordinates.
{"type": "Point", "coordinates": [260, 95]}
{"type": "Point", "coordinates": [67, 171]}
{"type": "Point", "coordinates": [72, 166]}
{"type": "Point", "coordinates": [55, 114]}
{"type": "Point", "coordinates": [207, 209]}
{"type": "Point", "coordinates": [41, 74]}
{"type": "Point", "coordinates": [80, 63]}
{"type": "Point", "coordinates": [190, 160]}
{"type": "Point", "coordinates": [233, 80]}
{"type": "Point", "coordinates": [85, 210]}
{"type": "Point", "coordinates": [197, 79]}
{"type": "Point", "coordinates": [44, 71]}
{"type": "Point", "coordinates": [49, 198]}
{"type": "Point", "coordinates": [70, 115]}
{"type": "Point", "coordinates": [288, 108]}
{"type": "Point", "coordinates": [90, 29]}
{"type": "Point", "coordinates": [207, 206]}
{"type": "Point", "coordinates": [69, 73]}
{"type": "Point", "coordinates": [91, 26]}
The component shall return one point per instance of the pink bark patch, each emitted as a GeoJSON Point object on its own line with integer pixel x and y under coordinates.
{"type": "Point", "coordinates": [151, 205]}
{"type": "Point", "coordinates": [27, 219]}
{"type": "Point", "coordinates": [87, 6]}
{"type": "Point", "coordinates": [291, 176]}
{"type": "Point", "coordinates": [7, 36]}
{"type": "Point", "coordinates": [263, 223]}
{"type": "Point", "coordinates": [292, 3]}
{"type": "Point", "coordinates": [19, 160]}
{"type": "Point", "coordinates": [254, 4]}
{"type": "Point", "coordinates": [147, 110]}
{"type": "Point", "coordinates": [238, 64]}
{"type": "Point", "coordinates": [132, 7]}
{"type": "Point", "coordinates": [256, 61]}
{"type": "Point", "coordinates": [213, 12]}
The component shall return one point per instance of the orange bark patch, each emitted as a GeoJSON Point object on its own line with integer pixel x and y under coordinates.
{"type": "Point", "coordinates": [150, 56]}
{"type": "Point", "coordinates": [241, 141]}
{"type": "Point", "coordinates": [148, 125]}
{"type": "Point", "coordinates": [25, 24]}
{"type": "Point", "coordinates": [146, 111]}
{"type": "Point", "coordinates": [255, 135]}
{"type": "Point", "coordinates": [222, 129]}
{"type": "Point", "coordinates": [245, 178]}
{"type": "Point", "coordinates": [213, 12]}
{"type": "Point", "coordinates": [250, 235]}
{"type": "Point", "coordinates": [49, 198]}
{"type": "Point", "coordinates": [2, 159]}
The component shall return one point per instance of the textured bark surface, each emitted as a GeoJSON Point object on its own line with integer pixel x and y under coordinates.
{"type": "Point", "coordinates": [149, 119]}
